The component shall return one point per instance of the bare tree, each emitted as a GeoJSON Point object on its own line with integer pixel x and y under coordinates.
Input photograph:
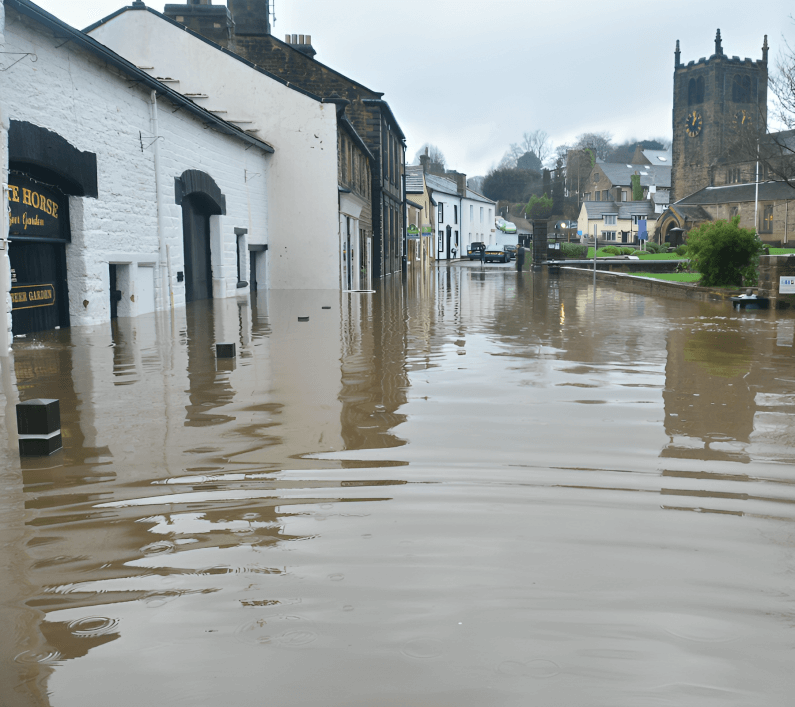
{"type": "Point", "coordinates": [436, 155]}
{"type": "Point", "coordinates": [536, 142]}
{"type": "Point", "coordinates": [601, 143]}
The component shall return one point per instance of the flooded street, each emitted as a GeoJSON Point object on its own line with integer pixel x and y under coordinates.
{"type": "Point", "coordinates": [479, 488]}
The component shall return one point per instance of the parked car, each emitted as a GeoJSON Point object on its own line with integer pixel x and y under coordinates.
{"type": "Point", "coordinates": [475, 249]}
{"type": "Point", "coordinates": [511, 250]}
{"type": "Point", "coordinates": [497, 253]}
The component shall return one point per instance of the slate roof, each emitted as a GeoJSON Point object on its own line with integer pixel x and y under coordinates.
{"type": "Point", "coordinates": [736, 193]}
{"type": "Point", "coordinates": [437, 183]}
{"type": "Point", "coordinates": [414, 181]}
{"type": "Point", "coordinates": [620, 174]}
{"type": "Point", "coordinates": [475, 196]}
{"type": "Point", "coordinates": [623, 209]}
{"type": "Point", "coordinates": [658, 157]}
{"type": "Point", "coordinates": [68, 33]}
{"type": "Point", "coordinates": [690, 212]}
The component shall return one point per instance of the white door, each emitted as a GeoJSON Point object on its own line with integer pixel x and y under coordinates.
{"type": "Point", "coordinates": [145, 289]}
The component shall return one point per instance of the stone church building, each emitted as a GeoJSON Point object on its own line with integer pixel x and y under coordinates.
{"type": "Point", "coordinates": [719, 113]}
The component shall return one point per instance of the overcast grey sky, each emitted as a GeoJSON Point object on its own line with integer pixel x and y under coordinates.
{"type": "Point", "coordinates": [471, 77]}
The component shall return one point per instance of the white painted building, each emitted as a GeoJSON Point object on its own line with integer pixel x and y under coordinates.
{"type": "Point", "coordinates": [301, 175]}
{"type": "Point", "coordinates": [125, 197]}
{"type": "Point", "coordinates": [478, 219]}
{"type": "Point", "coordinates": [444, 193]}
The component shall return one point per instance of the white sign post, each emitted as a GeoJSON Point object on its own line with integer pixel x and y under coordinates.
{"type": "Point", "coordinates": [786, 285]}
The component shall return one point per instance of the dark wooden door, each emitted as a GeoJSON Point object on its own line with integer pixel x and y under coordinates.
{"type": "Point", "coordinates": [39, 294]}
{"type": "Point", "coordinates": [196, 244]}
{"type": "Point", "coordinates": [252, 267]}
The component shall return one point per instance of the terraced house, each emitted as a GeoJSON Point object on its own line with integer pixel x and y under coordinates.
{"type": "Point", "coordinates": [244, 28]}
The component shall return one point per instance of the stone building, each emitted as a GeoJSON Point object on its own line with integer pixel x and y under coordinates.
{"type": "Point", "coordinates": [719, 119]}
{"type": "Point", "coordinates": [125, 196]}
{"type": "Point", "coordinates": [244, 29]}
{"type": "Point", "coordinates": [717, 101]}
{"type": "Point", "coordinates": [354, 161]}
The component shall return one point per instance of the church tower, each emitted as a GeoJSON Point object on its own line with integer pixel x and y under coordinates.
{"type": "Point", "coordinates": [717, 103]}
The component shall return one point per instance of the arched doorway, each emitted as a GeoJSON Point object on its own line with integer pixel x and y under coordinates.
{"type": "Point", "coordinates": [200, 198]}
{"type": "Point", "coordinates": [196, 244]}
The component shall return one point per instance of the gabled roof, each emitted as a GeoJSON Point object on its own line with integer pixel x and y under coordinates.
{"type": "Point", "coordinates": [690, 212]}
{"type": "Point", "coordinates": [440, 184]}
{"type": "Point", "coordinates": [737, 193]}
{"type": "Point", "coordinates": [475, 196]}
{"type": "Point", "coordinates": [658, 157]}
{"type": "Point", "coordinates": [122, 10]}
{"type": "Point", "coordinates": [622, 209]}
{"type": "Point", "coordinates": [415, 184]}
{"type": "Point", "coordinates": [620, 174]}
{"type": "Point", "coordinates": [68, 33]}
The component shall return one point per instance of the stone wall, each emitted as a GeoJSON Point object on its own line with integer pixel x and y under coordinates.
{"type": "Point", "coordinates": [771, 269]}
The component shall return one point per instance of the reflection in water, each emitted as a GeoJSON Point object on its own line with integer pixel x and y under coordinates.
{"type": "Point", "coordinates": [463, 489]}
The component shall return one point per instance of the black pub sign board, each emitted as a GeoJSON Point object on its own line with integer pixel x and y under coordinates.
{"type": "Point", "coordinates": [37, 210]}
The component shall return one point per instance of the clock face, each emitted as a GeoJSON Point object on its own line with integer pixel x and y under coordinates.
{"type": "Point", "coordinates": [742, 119]}
{"type": "Point", "coordinates": [693, 124]}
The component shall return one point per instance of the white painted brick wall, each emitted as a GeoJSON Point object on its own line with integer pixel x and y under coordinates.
{"type": "Point", "coordinates": [98, 109]}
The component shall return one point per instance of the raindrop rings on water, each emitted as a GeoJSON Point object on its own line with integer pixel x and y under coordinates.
{"type": "Point", "coordinates": [93, 626]}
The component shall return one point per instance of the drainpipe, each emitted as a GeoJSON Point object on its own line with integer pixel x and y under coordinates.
{"type": "Point", "coordinates": [5, 266]}
{"type": "Point", "coordinates": [165, 273]}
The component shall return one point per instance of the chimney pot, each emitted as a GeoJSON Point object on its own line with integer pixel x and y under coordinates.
{"type": "Point", "coordinates": [300, 38]}
{"type": "Point", "coordinates": [295, 39]}
{"type": "Point", "coordinates": [309, 39]}
{"type": "Point", "coordinates": [287, 38]}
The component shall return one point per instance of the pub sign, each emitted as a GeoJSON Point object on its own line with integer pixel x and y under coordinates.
{"type": "Point", "coordinates": [36, 210]}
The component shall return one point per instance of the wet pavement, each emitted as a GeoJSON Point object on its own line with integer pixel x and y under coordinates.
{"type": "Point", "coordinates": [480, 488]}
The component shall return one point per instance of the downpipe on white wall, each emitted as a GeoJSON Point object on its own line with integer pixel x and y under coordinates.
{"type": "Point", "coordinates": [165, 256]}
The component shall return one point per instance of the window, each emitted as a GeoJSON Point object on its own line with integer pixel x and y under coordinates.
{"type": "Point", "coordinates": [455, 213]}
{"type": "Point", "coordinates": [767, 220]}
{"type": "Point", "coordinates": [608, 235]}
{"type": "Point", "coordinates": [636, 218]}
{"type": "Point", "coordinates": [441, 212]}
{"type": "Point", "coordinates": [695, 91]}
{"type": "Point", "coordinates": [481, 214]}
{"type": "Point", "coordinates": [734, 211]}
{"type": "Point", "coordinates": [491, 216]}
{"type": "Point", "coordinates": [610, 219]}
{"type": "Point", "coordinates": [471, 213]}
{"type": "Point", "coordinates": [595, 178]}
{"type": "Point", "coordinates": [606, 195]}
{"type": "Point", "coordinates": [741, 89]}
{"type": "Point", "coordinates": [623, 195]}
{"type": "Point", "coordinates": [733, 175]}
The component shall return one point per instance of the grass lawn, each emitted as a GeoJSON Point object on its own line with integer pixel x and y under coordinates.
{"type": "Point", "coordinates": [781, 251]}
{"type": "Point", "coordinates": [642, 255]}
{"type": "Point", "coordinates": [670, 276]}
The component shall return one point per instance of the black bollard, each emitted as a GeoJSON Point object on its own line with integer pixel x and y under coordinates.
{"type": "Point", "coordinates": [225, 350]}
{"type": "Point", "coordinates": [39, 427]}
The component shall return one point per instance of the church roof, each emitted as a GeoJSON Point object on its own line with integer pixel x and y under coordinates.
{"type": "Point", "coordinates": [739, 193]}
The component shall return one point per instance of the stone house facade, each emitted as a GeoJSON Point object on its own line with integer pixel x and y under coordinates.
{"type": "Point", "coordinates": [354, 162]}
{"type": "Point", "coordinates": [125, 197]}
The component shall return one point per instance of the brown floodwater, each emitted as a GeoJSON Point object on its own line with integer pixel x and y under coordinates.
{"type": "Point", "coordinates": [476, 488]}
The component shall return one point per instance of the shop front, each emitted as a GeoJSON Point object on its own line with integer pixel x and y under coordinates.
{"type": "Point", "coordinates": [38, 234]}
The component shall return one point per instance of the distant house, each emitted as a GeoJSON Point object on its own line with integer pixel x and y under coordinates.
{"type": "Point", "coordinates": [612, 181]}
{"type": "Point", "coordinates": [421, 215]}
{"type": "Point", "coordinates": [616, 221]}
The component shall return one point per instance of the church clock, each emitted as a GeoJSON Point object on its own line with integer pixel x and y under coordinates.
{"type": "Point", "coordinates": [693, 123]}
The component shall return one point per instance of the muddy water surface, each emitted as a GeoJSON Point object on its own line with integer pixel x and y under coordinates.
{"type": "Point", "coordinates": [477, 489]}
